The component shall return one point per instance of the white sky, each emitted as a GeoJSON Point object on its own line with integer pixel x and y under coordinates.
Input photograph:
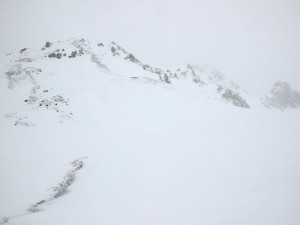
{"type": "Point", "coordinates": [253, 42]}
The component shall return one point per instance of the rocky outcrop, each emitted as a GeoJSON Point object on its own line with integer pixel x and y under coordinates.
{"type": "Point", "coordinates": [47, 45]}
{"type": "Point", "coordinates": [232, 97]}
{"type": "Point", "coordinates": [55, 55]}
{"type": "Point", "coordinates": [23, 50]}
{"type": "Point", "coordinates": [235, 98]}
{"type": "Point", "coordinates": [282, 96]}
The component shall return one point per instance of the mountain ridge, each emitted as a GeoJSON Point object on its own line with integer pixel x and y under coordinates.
{"type": "Point", "coordinates": [102, 55]}
{"type": "Point", "coordinates": [112, 58]}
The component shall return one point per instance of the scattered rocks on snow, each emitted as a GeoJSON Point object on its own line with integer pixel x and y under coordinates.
{"type": "Point", "coordinates": [55, 55]}
{"type": "Point", "coordinates": [54, 102]}
{"type": "Point", "coordinates": [57, 103]}
{"type": "Point", "coordinates": [18, 120]}
{"type": "Point", "coordinates": [22, 123]}
{"type": "Point", "coordinates": [31, 100]}
{"type": "Point", "coordinates": [62, 188]}
{"type": "Point", "coordinates": [73, 54]}
{"type": "Point", "coordinates": [58, 191]}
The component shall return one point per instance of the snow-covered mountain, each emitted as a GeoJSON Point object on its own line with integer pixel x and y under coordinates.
{"type": "Point", "coordinates": [90, 134]}
{"type": "Point", "coordinates": [111, 58]}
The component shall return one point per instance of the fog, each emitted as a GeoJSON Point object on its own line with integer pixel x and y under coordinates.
{"type": "Point", "coordinates": [253, 42]}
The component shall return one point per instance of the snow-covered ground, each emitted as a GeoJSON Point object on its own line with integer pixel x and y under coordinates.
{"type": "Point", "coordinates": [153, 152]}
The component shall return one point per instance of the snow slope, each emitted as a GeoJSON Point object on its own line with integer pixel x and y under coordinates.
{"type": "Point", "coordinates": [152, 152]}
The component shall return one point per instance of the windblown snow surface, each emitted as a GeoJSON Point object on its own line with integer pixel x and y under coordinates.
{"type": "Point", "coordinates": [153, 153]}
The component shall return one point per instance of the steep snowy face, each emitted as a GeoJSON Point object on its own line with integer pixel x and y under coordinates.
{"type": "Point", "coordinates": [282, 96]}
{"type": "Point", "coordinates": [115, 60]}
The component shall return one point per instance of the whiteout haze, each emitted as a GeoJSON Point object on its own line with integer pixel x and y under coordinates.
{"type": "Point", "coordinates": [92, 135]}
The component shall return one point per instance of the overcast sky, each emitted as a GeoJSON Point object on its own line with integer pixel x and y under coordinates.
{"type": "Point", "coordinates": [253, 42]}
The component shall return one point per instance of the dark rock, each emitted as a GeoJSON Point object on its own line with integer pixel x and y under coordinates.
{"type": "Point", "coordinates": [40, 202]}
{"type": "Point", "coordinates": [166, 78]}
{"type": "Point", "coordinates": [157, 71]}
{"type": "Point", "coordinates": [235, 99]}
{"type": "Point", "coordinates": [48, 44]}
{"type": "Point", "coordinates": [131, 58]}
{"type": "Point", "coordinates": [23, 50]}
{"type": "Point", "coordinates": [73, 54]}
{"type": "Point", "coordinates": [55, 55]}
{"type": "Point", "coordinates": [80, 52]}
{"type": "Point", "coordinates": [220, 88]}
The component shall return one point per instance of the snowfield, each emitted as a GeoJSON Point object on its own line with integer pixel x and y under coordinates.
{"type": "Point", "coordinates": [152, 153]}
